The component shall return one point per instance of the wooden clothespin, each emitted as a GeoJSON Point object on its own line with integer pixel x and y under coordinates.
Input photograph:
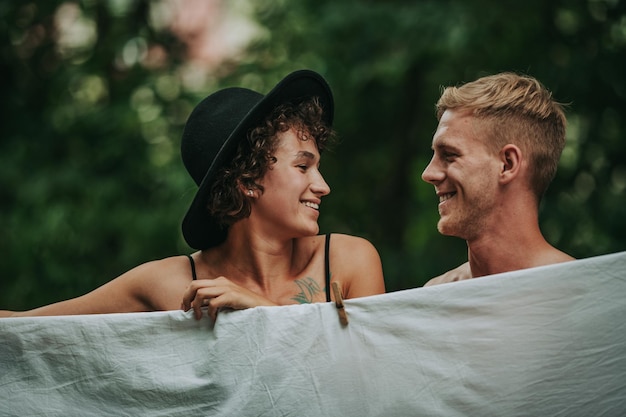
{"type": "Point", "coordinates": [343, 317]}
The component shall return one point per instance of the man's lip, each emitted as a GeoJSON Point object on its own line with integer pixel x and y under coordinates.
{"type": "Point", "coordinates": [443, 197]}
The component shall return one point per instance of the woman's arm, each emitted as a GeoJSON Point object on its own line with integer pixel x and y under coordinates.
{"type": "Point", "coordinates": [156, 285]}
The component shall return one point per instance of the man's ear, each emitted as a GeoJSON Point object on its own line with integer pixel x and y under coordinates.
{"type": "Point", "coordinates": [511, 159]}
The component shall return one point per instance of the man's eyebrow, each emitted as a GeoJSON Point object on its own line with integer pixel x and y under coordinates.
{"type": "Point", "coordinates": [441, 145]}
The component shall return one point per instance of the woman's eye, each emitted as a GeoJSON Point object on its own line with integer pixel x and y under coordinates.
{"type": "Point", "coordinates": [303, 167]}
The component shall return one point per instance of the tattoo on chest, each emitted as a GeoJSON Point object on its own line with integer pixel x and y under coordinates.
{"type": "Point", "coordinates": [309, 288]}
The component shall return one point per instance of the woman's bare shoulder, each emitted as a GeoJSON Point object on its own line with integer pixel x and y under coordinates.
{"type": "Point", "coordinates": [356, 263]}
{"type": "Point", "coordinates": [160, 283]}
{"type": "Point", "coordinates": [340, 245]}
{"type": "Point", "coordinates": [173, 265]}
{"type": "Point", "coordinates": [350, 245]}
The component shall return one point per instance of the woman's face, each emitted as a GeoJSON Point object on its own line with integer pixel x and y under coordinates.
{"type": "Point", "coordinates": [293, 189]}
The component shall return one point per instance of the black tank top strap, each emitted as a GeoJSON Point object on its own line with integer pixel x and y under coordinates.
{"type": "Point", "coordinates": [327, 266]}
{"type": "Point", "coordinates": [193, 267]}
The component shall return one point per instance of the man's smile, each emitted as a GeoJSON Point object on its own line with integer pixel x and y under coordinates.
{"type": "Point", "coordinates": [443, 197]}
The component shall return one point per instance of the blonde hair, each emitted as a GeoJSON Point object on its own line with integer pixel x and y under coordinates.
{"type": "Point", "coordinates": [516, 109]}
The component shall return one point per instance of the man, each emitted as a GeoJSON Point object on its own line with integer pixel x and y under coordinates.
{"type": "Point", "coordinates": [495, 152]}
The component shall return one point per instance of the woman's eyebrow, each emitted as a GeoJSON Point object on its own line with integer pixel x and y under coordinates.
{"type": "Point", "coordinates": [305, 154]}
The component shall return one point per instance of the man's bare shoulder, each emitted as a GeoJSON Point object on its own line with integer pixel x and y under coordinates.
{"type": "Point", "coordinates": [459, 273]}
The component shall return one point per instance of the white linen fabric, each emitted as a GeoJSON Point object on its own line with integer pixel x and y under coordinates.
{"type": "Point", "coordinates": [547, 341]}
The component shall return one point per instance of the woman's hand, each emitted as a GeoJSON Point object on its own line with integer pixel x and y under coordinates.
{"type": "Point", "coordinates": [220, 293]}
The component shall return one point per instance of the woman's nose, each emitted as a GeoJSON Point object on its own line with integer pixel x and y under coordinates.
{"type": "Point", "coordinates": [319, 185]}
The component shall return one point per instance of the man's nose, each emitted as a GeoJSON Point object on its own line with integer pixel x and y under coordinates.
{"type": "Point", "coordinates": [432, 173]}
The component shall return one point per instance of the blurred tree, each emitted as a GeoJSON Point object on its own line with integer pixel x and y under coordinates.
{"type": "Point", "coordinates": [91, 118]}
{"type": "Point", "coordinates": [95, 95]}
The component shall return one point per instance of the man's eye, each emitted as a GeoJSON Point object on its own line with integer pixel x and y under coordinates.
{"type": "Point", "coordinates": [303, 167]}
{"type": "Point", "coordinates": [448, 156]}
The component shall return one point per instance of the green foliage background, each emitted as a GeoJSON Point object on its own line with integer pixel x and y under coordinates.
{"type": "Point", "coordinates": [91, 183]}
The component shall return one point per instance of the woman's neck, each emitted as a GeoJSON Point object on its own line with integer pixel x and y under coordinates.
{"type": "Point", "coordinates": [244, 257]}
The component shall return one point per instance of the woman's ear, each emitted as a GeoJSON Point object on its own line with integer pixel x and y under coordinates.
{"type": "Point", "coordinates": [248, 192]}
{"type": "Point", "coordinates": [511, 159]}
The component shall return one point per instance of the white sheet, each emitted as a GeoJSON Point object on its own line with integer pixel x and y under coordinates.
{"type": "Point", "coordinates": [549, 341]}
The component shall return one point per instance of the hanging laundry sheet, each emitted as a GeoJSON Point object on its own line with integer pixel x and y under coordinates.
{"type": "Point", "coordinates": [548, 341]}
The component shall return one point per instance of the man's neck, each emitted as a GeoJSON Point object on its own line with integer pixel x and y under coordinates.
{"type": "Point", "coordinates": [519, 251]}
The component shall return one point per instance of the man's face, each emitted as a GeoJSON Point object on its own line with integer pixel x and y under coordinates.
{"type": "Point", "coordinates": [465, 175]}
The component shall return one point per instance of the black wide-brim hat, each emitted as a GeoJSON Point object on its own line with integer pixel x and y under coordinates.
{"type": "Point", "coordinates": [218, 124]}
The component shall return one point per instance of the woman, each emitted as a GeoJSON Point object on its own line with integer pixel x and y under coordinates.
{"type": "Point", "coordinates": [253, 220]}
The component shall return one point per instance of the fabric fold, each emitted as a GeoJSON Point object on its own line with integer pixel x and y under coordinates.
{"type": "Point", "coordinates": [542, 341]}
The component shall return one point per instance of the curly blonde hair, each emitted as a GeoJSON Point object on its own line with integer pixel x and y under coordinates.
{"type": "Point", "coordinates": [516, 109]}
